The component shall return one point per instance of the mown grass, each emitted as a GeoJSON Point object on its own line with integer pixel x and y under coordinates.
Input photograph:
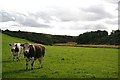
{"type": "Point", "coordinates": [62, 62]}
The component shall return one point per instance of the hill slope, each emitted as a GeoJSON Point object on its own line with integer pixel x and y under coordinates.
{"type": "Point", "coordinates": [40, 37]}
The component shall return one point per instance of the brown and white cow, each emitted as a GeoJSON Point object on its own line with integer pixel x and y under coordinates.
{"type": "Point", "coordinates": [16, 50]}
{"type": "Point", "coordinates": [33, 52]}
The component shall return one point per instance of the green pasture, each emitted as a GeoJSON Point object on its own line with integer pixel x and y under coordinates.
{"type": "Point", "coordinates": [62, 62]}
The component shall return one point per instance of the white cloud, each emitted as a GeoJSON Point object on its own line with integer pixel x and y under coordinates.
{"type": "Point", "coordinates": [113, 1]}
{"type": "Point", "coordinates": [111, 21]}
{"type": "Point", "coordinates": [59, 16]}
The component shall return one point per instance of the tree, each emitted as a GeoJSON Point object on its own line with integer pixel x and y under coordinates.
{"type": "Point", "coordinates": [92, 37]}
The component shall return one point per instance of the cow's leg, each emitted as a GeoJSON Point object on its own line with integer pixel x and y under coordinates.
{"type": "Point", "coordinates": [32, 63]}
{"type": "Point", "coordinates": [27, 60]}
{"type": "Point", "coordinates": [13, 57]}
{"type": "Point", "coordinates": [18, 57]}
{"type": "Point", "coordinates": [19, 54]}
{"type": "Point", "coordinates": [41, 61]}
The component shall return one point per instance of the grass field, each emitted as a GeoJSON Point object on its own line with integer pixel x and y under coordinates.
{"type": "Point", "coordinates": [62, 62]}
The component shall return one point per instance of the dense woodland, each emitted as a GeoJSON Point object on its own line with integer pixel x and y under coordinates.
{"type": "Point", "coordinates": [46, 39]}
{"type": "Point", "coordinates": [93, 37]}
{"type": "Point", "coordinates": [99, 37]}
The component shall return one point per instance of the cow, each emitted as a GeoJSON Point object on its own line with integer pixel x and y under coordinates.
{"type": "Point", "coordinates": [33, 52]}
{"type": "Point", "coordinates": [16, 50]}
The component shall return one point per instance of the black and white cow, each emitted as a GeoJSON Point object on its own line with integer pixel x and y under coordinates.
{"type": "Point", "coordinates": [33, 52]}
{"type": "Point", "coordinates": [16, 50]}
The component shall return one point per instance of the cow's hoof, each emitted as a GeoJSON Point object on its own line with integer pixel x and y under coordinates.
{"type": "Point", "coordinates": [26, 69]}
{"type": "Point", "coordinates": [18, 60]}
{"type": "Point", "coordinates": [41, 67]}
{"type": "Point", "coordinates": [31, 68]}
{"type": "Point", "coordinates": [38, 68]}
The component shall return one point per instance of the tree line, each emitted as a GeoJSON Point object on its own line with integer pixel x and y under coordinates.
{"type": "Point", "coordinates": [41, 38]}
{"type": "Point", "coordinates": [99, 37]}
{"type": "Point", "coordinates": [93, 37]}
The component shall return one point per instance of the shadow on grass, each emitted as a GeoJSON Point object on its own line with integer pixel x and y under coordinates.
{"type": "Point", "coordinates": [11, 61]}
{"type": "Point", "coordinates": [5, 74]}
{"type": "Point", "coordinates": [7, 61]}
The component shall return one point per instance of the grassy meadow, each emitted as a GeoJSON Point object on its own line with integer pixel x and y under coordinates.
{"type": "Point", "coordinates": [62, 62]}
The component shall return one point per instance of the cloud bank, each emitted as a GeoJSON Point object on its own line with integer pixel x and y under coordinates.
{"type": "Point", "coordinates": [98, 16]}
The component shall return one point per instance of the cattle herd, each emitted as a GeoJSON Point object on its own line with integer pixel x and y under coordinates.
{"type": "Point", "coordinates": [31, 52]}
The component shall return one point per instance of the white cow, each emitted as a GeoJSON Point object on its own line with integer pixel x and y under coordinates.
{"type": "Point", "coordinates": [16, 50]}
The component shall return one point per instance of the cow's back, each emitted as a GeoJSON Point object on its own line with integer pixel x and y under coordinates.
{"type": "Point", "coordinates": [43, 49]}
{"type": "Point", "coordinates": [39, 50]}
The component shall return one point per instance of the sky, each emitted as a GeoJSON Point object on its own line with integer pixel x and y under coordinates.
{"type": "Point", "coordinates": [59, 17]}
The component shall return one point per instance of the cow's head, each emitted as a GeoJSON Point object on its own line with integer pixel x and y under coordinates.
{"type": "Point", "coordinates": [26, 47]}
{"type": "Point", "coordinates": [14, 47]}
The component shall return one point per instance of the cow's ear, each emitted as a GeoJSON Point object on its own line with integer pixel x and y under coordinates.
{"type": "Point", "coordinates": [9, 44]}
{"type": "Point", "coordinates": [16, 45]}
{"type": "Point", "coordinates": [22, 45]}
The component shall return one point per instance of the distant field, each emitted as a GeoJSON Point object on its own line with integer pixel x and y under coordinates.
{"type": "Point", "coordinates": [63, 62]}
{"type": "Point", "coordinates": [88, 45]}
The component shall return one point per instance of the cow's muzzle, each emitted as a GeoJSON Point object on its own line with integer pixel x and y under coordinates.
{"type": "Point", "coordinates": [26, 52]}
